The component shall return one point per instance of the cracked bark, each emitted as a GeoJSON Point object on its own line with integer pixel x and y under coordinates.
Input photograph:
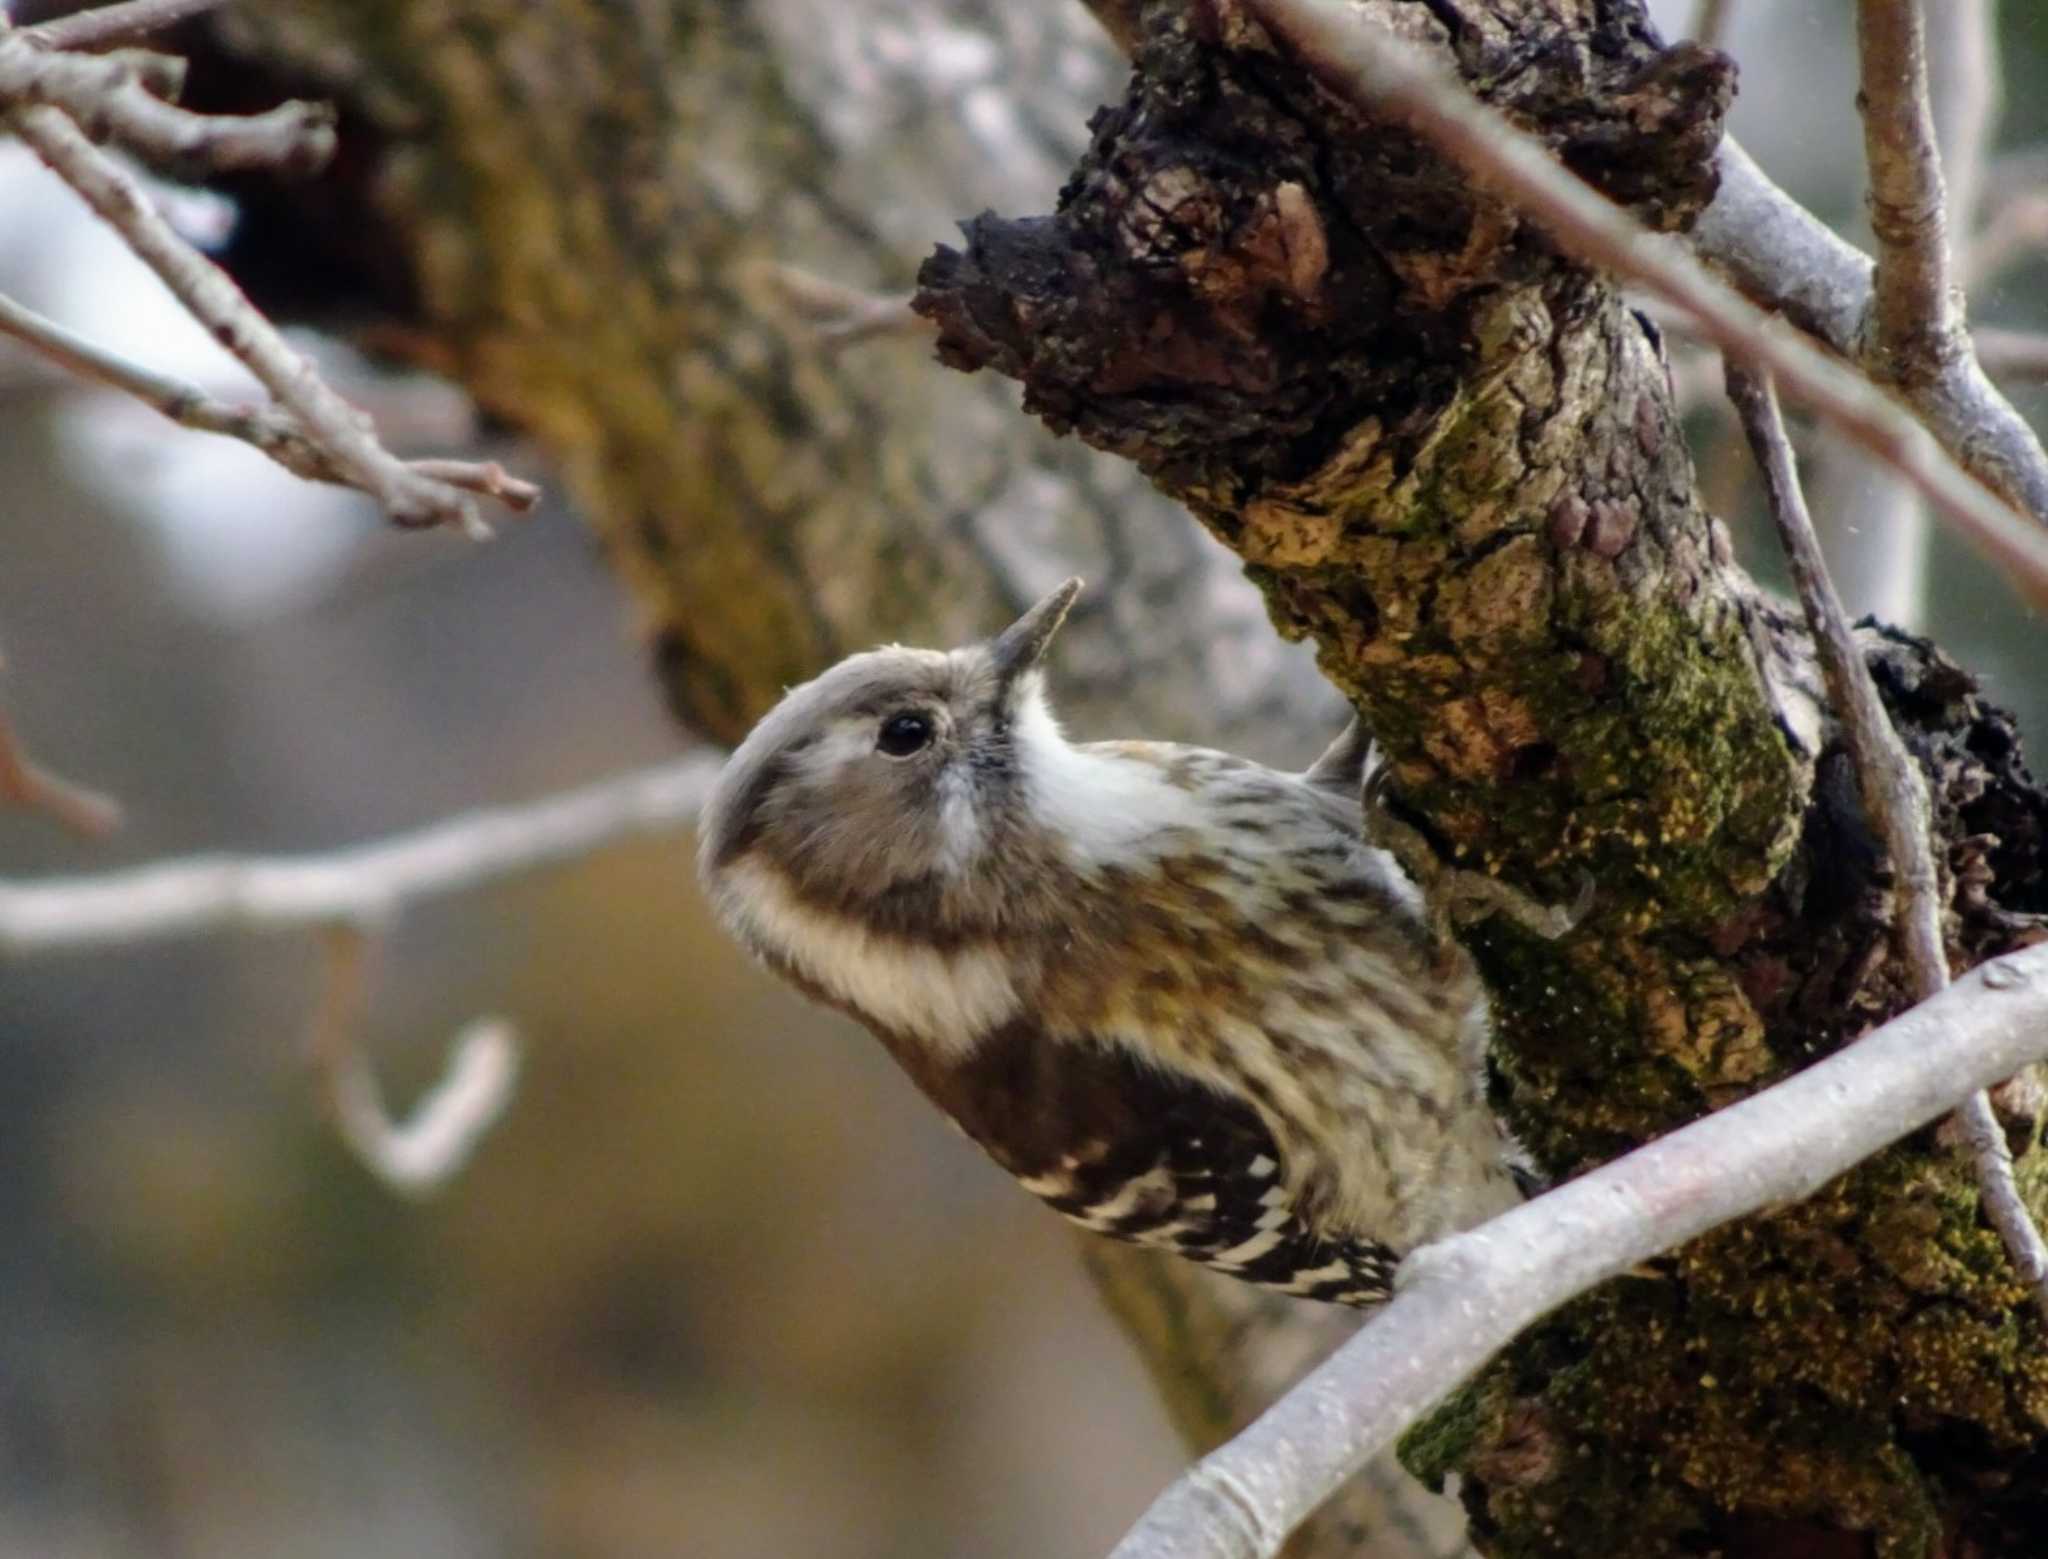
{"type": "Point", "coordinates": [1449, 460]}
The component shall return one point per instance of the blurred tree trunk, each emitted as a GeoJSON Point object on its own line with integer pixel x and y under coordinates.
{"type": "Point", "coordinates": [1450, 459]}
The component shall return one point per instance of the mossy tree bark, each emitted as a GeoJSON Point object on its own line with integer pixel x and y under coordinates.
{"type": "Point", "coordinates": [1449, 458]}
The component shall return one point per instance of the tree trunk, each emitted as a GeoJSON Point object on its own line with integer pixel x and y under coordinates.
{"type": "Point", "coordinates": [1449, 458]}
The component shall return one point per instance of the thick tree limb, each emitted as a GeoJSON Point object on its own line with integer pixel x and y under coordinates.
{"type": "Point", "coordinates": [1384, 73]}
{"type": "Point", "coordinates": [1462, 1300]}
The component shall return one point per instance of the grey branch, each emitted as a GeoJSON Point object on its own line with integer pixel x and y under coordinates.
{"type": "Point", "coordinates": [1710, 22]}
{"type": "Point", "coordinates": [1913, 335]}
{"type": "Point", "coordinates": [1461, 1301]}
{"type": "Point", "coordinates": [2013, 354]}
{"type": "Point", "coordinates": [1893, 793]}
{"type": "Point", "coordinates": [418, 1155]}
{"type": "Point", "coordinates": [27, 784]}
{"type": "Point", "coordinates": [267, 428]}
{"type": "Point", "coordinates": [122, 98]}
{"type": "Point", "coordinates": [361, 886]}
{"type": "Point", "coordinates": [1387, 75]}
{"type": "Point", "coordinates": [96, 28]}
{"type": "Point", "coordinates": [409, 495]}
{"type": "Point", "coordinates": [1780, 253]}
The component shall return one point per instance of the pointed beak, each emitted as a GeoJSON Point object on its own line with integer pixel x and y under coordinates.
{"type": "Point", "coordinates": [1018, 647]}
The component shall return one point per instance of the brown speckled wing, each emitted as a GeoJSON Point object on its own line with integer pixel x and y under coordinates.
{"type": "Point", "coordinates": [1141, 1155]}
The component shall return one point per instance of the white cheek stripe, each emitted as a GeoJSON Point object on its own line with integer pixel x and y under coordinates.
{"type": "Point", "coordinates": [949, 1000]}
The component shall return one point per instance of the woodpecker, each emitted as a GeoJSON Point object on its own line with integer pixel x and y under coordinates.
{"type": "Point", "coordinates": [1173, 992]}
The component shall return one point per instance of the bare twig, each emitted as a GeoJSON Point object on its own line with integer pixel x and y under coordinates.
{"type": "Point", "coordinates": [349, 895]}
{"type": "Point", "coordinates": [360, 886]}
{"type": "Point", "coordinates": [107, 24]}
{"type": "Point", "coordinates": [1777, 251]}
{"type": "Point", "coordinates": [1882, 558]}
{"type": "Point", "coordinates": [1388, 76]}
{"type": "Point", "coordinates": [2016, 230]}
{"type": "Point", "coordinates": [1968, 97]}
{"type": "Point", "coordinates": [122, 98]}
{"type": "Point", "coordinates": [419, 1155]}
{"type": "Point", "coordinates": [24, 783]}
{"type": "Point", "coordinates": [265, 427]}
{"type": "Point", "coordinates": [2013, 354]}
{"type": "Point", "coordinates": [1710, 22]}
{"type": "Point", "coordinates": [216, 302]}
{"type": "Point", "coordinates": [1894, 795]}
{"type": "Point", "coordinates": [841, 315]}
{"type": "Point", "coordinates": [1460, 1301]}
{"type": "Point", "coordinates": [1913, 333]}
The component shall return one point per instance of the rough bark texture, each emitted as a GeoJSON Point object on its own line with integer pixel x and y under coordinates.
{"type": "Point", "coordinates": [1450, 460]}
{"type": "Point", "coordinates": [570, 208]}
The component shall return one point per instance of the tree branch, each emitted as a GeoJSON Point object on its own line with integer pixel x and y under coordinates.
{"type": "Point", "coordinates": [96, 28]}
{"type": "Point", "coordinates": [266, 428]}
{"type": "Point", "coordinates": [1895, 796]}
{"type": "Point", "coordinates": [122, 98]}
{"type": "Point", "coordinates": [1460, 1301]}
{"type": "Point", "coordinates": [1912, 333]}
{"type": "Point", "coordinates": [1385, 74]}
{"type": "Point", "coordinates": [418, 1155]}
{"type": "Point", "coordinates": [1780, 253]}
{"type": "Point", "coordinates": [359, 886]}
{"type": "Point", "coordinates": [410, 495]}
{"type": "Point", "coordinates": [25, 783]}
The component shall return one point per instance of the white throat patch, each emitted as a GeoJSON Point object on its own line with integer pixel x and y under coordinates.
{"type": "Point", "coordinates": [1106, 810]}
{"type": "Point", "coordinates": [948, 999]}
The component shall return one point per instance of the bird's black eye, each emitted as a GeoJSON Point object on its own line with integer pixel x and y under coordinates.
{"type": "Point", "coordinates": [904, 734]}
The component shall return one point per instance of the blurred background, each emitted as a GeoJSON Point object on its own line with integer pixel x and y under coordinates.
{"type": "Point", "coordinates": [720, 1284]}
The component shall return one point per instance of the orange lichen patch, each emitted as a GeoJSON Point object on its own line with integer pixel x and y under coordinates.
{"type": "Point", "coordinates": [1473, 738]}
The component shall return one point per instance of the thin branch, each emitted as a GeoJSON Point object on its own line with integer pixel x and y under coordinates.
{"type": "Point", "coordinates": [1968, 96]}
{"type": "Point", "coordinates": [1460, 1301]}
{"type": "Point", "coordinates": [1386, 75]}
{"type": "Point", "coordinates": [122, 98]}
{"type": "Point", "coordinates": [840, 315]}
{"type": "Point", "coordinates": [26, 784]}
{"type": "Point", "coordinates": [359, 886]}
{"type": "Point", "coordinates": [108, 24]}
{"type": "Point", "coordinates": [2013, 354]}
{"type": "Point", "coordinates": [419, 1155]}
{"type": "Point", "coordinates": [267, 428]}
{"type": "Point", "coordinates": [1780, 253]}
{"type": "Point", "coordinates": [1710, 22]}
{"type": "Point", "coordinates": [2016, 231]}
{"type": "Point", "coordinates": [1895, 796]}
{"type": "Point", "coordinates": [1913, 329]}
{"type": "Point", "coordinates": [217, 303]}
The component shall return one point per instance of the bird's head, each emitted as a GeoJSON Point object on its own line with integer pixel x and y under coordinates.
{"type": "Point", "coordinates": [888, 779]}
